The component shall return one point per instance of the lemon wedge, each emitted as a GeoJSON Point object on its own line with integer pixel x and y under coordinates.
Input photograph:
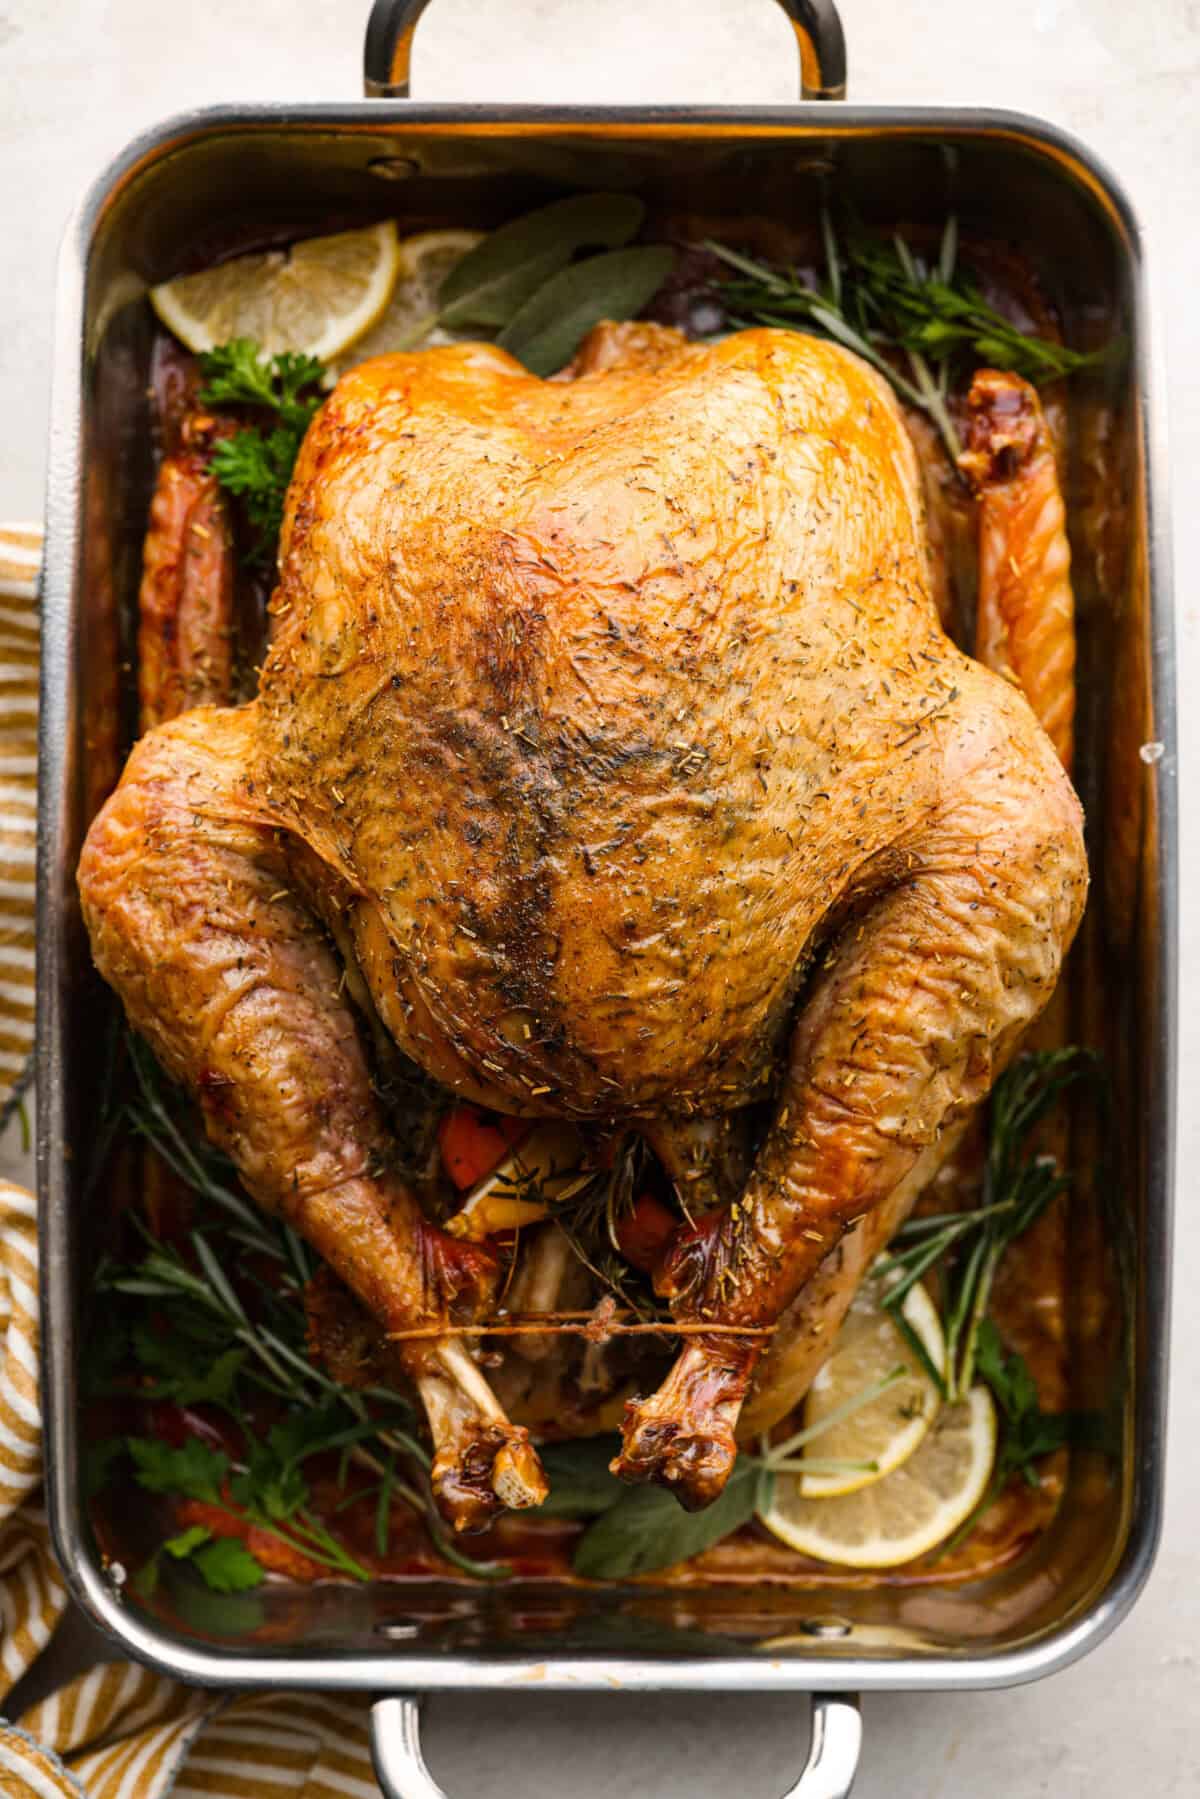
{"type": "Point", "coordinates": [408, 320]}
{"type": "Point", "coordinates": [316, 298]}
{"type": "Point", "coordinates": [909, 1511]}
{"type": "Point", "coordinates": [887, 1430]}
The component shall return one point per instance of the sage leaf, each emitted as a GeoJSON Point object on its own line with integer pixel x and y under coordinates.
{"type": "Point", "coordinates": [493, 281]}
{"type": "Point", "coordinates": [551, 325]}
{"type": "Point", "coordinates": [649, 1529]}
{"type": "Point", "coordinates": [580, 1483]}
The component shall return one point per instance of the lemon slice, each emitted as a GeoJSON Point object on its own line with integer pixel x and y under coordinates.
{"type": "Point", "coordinates": [407, 322]}
{"type": "Point", "coordinates": [887, 1430]}
{"type": "Point", "coordinates": [911, 1510]}
{"type": "Point", "coordinates": [315, 298]}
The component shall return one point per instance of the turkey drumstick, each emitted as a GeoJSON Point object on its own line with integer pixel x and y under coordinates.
{"type": "Point", "coordinates": [228, 975]}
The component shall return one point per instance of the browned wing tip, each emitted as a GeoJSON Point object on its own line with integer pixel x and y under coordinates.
{"type": "Point", "coordinates": [1005, 428]}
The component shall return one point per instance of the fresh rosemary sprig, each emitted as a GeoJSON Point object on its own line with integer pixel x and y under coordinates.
{"type": "Point", "coordinates": [586, 1200]}
{"type": "Point", "coordinates": [156, 1115]}
{"type": "Point", "coordinates": [1018, 1186]}
{"type": "Point", "coordinates": [217, 1349]}
{"type": "Point", "coordinates": [915, 321]}
{"type": "Point", "coordinates": [588, 1216]}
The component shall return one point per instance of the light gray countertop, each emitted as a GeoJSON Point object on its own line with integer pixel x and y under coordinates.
{"type": "Point", "coordinates": [78, 79]}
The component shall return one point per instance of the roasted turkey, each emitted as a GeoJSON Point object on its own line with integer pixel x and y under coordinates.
{"type": "Point", "coordinates": [610, 757]}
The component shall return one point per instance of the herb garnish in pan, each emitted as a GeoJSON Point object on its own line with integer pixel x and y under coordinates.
{"type": "Point", "coordinates": [257, 464]}
{"type": "Point", "coordinates": [174, 1327]}
{"type": "Point", "coordinates": [1019, 1184]}
{"type": "Point", "coordinates": [923, 324]}
{"type": "Point", "coordinates": [531, 286]}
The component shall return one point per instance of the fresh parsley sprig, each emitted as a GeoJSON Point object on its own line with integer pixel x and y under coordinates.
{"type": "Point", "coordinates": [238, 374]}
{"type": "Point", "coordinates": [224, 1564]}
{"type": "Point", "coordinates": [267, 1487]}
{"type": "Point", "coordinates": [256, 464]}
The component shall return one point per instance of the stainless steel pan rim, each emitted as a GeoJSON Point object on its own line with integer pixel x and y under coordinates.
{"type": "Point", "coordinates": [388, 1669]}
{"type": "Point", "coordinates": [819, 119]}
{"type": "Point", "coordinates": [63, 523]}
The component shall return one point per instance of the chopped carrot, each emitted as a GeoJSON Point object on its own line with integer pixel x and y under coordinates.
{"type": "Point", "coordinates": [473, 1142]}
{"type": "Point", "coordinates": [644, 1233]}
{"type": "Point", "coordinates": [274, 1554]}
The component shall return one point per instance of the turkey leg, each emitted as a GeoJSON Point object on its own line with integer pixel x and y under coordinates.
{"type": "Point", "coordinates": [1025, 630]}
{"type": "Point", "coordinates": [916, 1011]}
{"type": "Point", "coordinates": [226, 972]}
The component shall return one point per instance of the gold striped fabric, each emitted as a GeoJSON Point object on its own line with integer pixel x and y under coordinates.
{"type": "Point", "coordinates": [20, 559]}
{"type": "Point", "coordinates": [118, 1731]}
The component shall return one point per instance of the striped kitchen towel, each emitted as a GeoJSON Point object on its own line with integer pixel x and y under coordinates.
{"type": "Point", "coordinates": [118, 1731]}
{"type": "Point", "coordinates": [20, 555]}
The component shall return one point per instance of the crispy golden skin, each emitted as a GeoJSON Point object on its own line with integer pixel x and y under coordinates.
{"type": "Point", "coordinates": [615, 708]}
{"type": "Point", "coordinates": [1025, 623]}
{"type": "Point", "coordinates": [185, 603]}
{"type": "Point", "coordinates": [1025, 630]}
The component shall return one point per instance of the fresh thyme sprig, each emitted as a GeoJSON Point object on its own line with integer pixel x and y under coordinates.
{"type": "Point", "coordinates": [914, 320]}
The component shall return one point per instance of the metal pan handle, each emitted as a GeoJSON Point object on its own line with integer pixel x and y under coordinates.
{"type": "Point", "coordinates": [828, 1773]}
{"type": "Point", "coordinates": [396, 1722]}
{"type": "Point", "coordinates": [387, 53]}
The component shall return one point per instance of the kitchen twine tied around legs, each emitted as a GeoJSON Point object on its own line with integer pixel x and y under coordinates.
{"type": "Point", "coordinates": [118, 1731]}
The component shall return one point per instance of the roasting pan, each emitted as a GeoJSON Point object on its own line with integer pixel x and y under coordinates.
{"type": "Point", "coordinates": [210, 180]}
